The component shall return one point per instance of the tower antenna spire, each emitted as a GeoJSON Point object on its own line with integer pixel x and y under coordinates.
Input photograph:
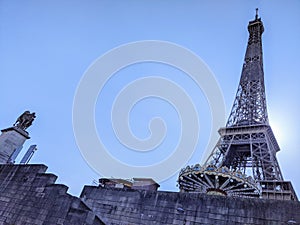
{"type": "Point", "coordinates": [256, 14]}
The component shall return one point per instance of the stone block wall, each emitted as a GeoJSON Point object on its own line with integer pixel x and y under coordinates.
{"type": "Point", "coordinates": [124, 207]}
{"type": "Point", "coordinates": [29, 196]}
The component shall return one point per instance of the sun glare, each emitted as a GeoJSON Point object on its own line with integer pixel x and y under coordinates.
{"type": "Point", "coordinates": [281, 130]}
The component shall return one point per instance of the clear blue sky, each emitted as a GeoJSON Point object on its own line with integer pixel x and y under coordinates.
{"type": "Point", "coordinates": [46, 46]}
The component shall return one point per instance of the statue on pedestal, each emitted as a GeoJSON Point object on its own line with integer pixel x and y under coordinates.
{"type": "Point", "coordinates": [25, 120]}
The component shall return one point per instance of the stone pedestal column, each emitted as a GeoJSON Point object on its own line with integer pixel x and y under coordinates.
{"type": "Point", "coordinates": [11, 139]}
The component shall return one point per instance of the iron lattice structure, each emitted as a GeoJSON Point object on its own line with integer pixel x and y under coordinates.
{"type": "Point", "coordinates": [250, 106]}
{"type": "Point", "coordinates": [247, 144]}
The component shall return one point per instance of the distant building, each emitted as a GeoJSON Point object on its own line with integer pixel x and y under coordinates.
{"type": "Point", "coordinates": [135, 183]}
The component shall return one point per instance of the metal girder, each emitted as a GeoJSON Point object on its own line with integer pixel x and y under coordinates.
{"type": "Point", "coordinates": [254, 150]}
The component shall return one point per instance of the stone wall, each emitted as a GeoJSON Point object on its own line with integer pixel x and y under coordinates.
{"type": "Point", "coordinates": [117, 206]}
{"type": "Point", "coordinates": [28, 195]}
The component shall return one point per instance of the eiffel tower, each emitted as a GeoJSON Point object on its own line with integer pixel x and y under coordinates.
{"type": "Point", "coordinates": [243, 162]}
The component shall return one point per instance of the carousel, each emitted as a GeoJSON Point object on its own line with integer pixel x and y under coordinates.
{"type": "Point", "coordinates": [217, 181]}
